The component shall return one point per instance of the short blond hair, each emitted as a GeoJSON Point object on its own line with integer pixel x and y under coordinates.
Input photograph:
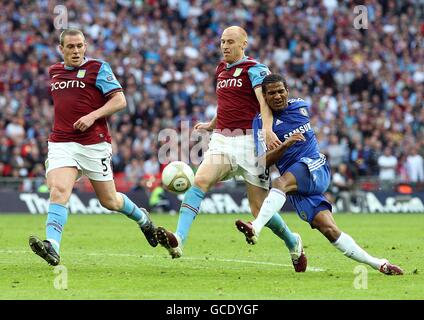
{"type": "Point", "coordinates": [69, 32]}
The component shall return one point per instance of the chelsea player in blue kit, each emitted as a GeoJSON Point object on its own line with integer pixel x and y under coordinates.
{"type": "Point", "coordinates": [305, 174]}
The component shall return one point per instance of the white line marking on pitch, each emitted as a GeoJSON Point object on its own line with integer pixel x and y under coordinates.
{"type": "Point", "coordinates": [313, 269]}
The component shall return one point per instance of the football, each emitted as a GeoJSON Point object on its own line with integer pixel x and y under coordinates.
{"type": "Point", "coordinates": [177, 177]}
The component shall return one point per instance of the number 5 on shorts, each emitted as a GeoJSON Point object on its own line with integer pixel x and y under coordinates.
{"type": "Point", "coordinates": [104, 166]}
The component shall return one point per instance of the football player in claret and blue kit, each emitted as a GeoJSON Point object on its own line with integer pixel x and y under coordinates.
{"type": "Point", "coordinates": [231, 147]}
{"type": "Point", "coordinates": [85, 92]}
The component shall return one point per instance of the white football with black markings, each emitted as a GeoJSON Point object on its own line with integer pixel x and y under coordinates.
{"type": "Point", "coordinates": [177, 177]}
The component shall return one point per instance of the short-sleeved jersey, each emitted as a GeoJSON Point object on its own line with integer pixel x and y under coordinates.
{"type": "Point", "coordinates": [235, 84]}
{"type": "Point", "coordinates": [76, 92]}
{"type": "Point", "coordinates": [293, 119]}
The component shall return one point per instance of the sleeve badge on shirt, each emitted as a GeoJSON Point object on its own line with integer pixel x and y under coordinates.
{"type": "Point", "coordinates": [110, 78]}
{"type": "Point", "coordinates": [263, 73]}
{"type": "Point", "coordinates": [237, 72]}
{"type": "Point", "coordinates": [304, 111]}
{"type": "Point", "coordinates": [81, 73]}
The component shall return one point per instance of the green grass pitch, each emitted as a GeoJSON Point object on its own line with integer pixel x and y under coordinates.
{"type": "Point", "coordinates": [107, 257]}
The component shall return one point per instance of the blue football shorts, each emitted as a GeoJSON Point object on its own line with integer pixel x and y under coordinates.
{"type": "Point", "coordinates": [313, 179]}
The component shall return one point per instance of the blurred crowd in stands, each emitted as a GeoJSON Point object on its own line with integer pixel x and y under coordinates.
{"type": "Point", "coordinates": [366, 86]}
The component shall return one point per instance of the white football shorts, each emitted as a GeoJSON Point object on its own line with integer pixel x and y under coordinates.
{"type": "Point", "coordinates": [240, 151]}
{"type": "Point", "coordinates": [93, 161]}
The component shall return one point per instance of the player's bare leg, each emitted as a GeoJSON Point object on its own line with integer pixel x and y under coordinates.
{"type": "Point", "coordinates": [293, 241]}
{"type": "Point", "coordinates": [213, 169]}
{"type": "Point", "coordinates": [60, 182]}
{"type": "Point", "coordinates": [326, 224]}
{"type": "Point", "coordinates": [116, 201]}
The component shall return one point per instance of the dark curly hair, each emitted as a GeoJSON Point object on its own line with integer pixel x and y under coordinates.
{"type": "Point", "coordinates": [272, 78]}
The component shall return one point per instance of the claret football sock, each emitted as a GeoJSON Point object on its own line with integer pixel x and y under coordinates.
{"type": "Point", "coordinates": [279, 227]}
{"type": "Point", "coordinates": [351, 250]}
{"type": "Point", "coordinates": [272, 204]}
{"type": "Point", "coordinates": [188, 211]}
{"type": "Point", "coordinates": [133, 212]}
{"type": "Point", "coordinates": [56, 220]}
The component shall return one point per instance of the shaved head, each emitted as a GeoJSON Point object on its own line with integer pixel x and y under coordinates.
{"type": "Point", "coordinates": [239, 31]}
{"type": "Point", "coordinates": [233, 43]}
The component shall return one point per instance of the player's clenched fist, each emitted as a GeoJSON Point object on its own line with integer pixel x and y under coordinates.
{"type": "Point", "coordinates": [84, 123]}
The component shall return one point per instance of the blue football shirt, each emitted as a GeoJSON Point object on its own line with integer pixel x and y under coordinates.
{"type": "Point", "coordinates": [293, 119]}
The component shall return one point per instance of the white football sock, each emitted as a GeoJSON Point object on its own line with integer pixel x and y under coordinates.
{"type": "Point", "coordinates": [272, 204]}
{"type": "Point", "coordinates": [350, 249]}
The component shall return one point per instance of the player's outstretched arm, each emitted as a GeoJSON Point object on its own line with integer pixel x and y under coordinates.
{"type": "Point", "coordinates": [209, 126]}
{"type": "Point", "coordinates": [271, 138]}
{"type": "Point", "coordinates": [116, 103]}
{"type": "Point", "coordinates": [272, 156]}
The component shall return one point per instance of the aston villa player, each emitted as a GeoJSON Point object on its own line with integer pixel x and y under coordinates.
{"type": "Point", "coordinates": [231, 149]}
{"type": "Point", "coordinates": [85, 92]}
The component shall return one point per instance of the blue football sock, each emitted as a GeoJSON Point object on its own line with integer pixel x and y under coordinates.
{"type": "Point", "coordinates": [133, 212]}
{"type": "Point", "coordinates": [188, 211]}
{"type": "Point", "coordinates": [279, 227]}
{"type": "Point", "coordinates": [56, 219]}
